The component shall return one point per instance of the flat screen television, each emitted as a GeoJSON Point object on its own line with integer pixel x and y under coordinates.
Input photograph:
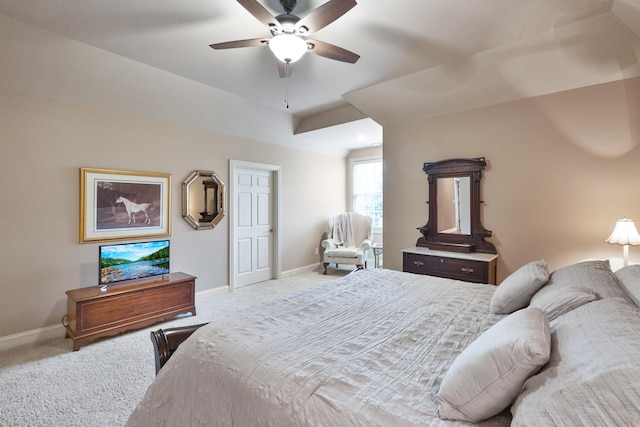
{"type": "Point", "coordinates": [128, 261]}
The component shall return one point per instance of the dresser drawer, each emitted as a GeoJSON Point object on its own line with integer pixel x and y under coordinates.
{"type": "Point", "coordinates": [449, 267]}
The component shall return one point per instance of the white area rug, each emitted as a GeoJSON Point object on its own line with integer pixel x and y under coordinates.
{"type": "Point", "coordinates": [48, 384]}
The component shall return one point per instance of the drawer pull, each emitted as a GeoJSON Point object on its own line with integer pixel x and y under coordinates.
{"type": "Point", "coordinates": [467, 270]}
{"type": "Point", "coordinates": [418, 263]}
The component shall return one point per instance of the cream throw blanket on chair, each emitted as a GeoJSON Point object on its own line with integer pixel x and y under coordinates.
{"type": "Point", "coordinates": [342, 232]}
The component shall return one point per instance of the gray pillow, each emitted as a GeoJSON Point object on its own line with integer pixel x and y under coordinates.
{"type": "Point", "coordinates": [629, 276]}
{"type": "Point", "coordinates": [563, 300]}
{"type": "Point", "coordinates": [594, 276]}
{"type": "Point", "coordinates": [488, 375]}
{"type": "Point", "coordinates": [516, 290]}
{"type": "Point", "coordinates": [593, 373]}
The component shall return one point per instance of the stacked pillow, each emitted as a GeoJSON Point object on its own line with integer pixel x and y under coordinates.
{"type": "Point", "coordinates": [492, 371]}
{"type": "Point", "coordinates": [516, 291]}
{"type": "Point", "coordinates": [593, 374]}
{"type": "Point", "coordinates": [555, 304]}
{"type": "Point", "coordinates": [591, 276]}
{"type": "Point", "coordinates": [561, 291]}
{"type": "Point", "coordinates": [488, 375]}
{"type": "Point", "coordinates": [629, 277]}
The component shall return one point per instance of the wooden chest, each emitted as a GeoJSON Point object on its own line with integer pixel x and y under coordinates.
{"type": "Point", "coordinates": [92, 313]}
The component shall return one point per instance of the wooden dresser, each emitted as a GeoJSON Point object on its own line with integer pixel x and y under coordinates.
{"type": "Point", "coordinates": [471, 267]}
{"type": "Point", "coordinates": [92, 313]}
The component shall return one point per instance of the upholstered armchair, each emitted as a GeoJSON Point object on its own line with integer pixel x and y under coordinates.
{"type": "Point", "coordinates": [349, 240]}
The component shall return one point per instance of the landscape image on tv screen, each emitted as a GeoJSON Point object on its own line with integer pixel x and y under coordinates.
{"type": "Point", "coordinates": [127, 261]}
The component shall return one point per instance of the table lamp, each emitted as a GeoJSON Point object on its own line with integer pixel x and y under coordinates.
{"type": "Point", "coordinates": [624, 234]}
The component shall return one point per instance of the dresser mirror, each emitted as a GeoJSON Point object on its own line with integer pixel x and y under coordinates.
{"type": "Point", "coordinates": [454, 207]}
{"type": "Point", "coordinates": [203, 199]}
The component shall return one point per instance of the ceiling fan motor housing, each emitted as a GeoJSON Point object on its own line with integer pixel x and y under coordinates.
{"type": "Point", "coordinates": [287, 23]}
{"type": "Point", "coordinates": [288, 5]}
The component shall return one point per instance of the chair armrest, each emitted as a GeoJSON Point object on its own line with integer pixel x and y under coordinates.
{"type": "Point", "coordinates": [329, 244]}
{"type": "Point", "coordinates": [365, 245]}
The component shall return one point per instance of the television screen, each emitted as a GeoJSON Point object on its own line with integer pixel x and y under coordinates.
{"type": "Point", "coordinates": [127, 261]}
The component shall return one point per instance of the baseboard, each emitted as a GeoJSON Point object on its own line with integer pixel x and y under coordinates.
{"type": "Point", "coordinates": [225, 289]}
{"type": "Point", "coordinates": [32, 336]}
{"type": "Point", "coordinates": [304, 269]}
{"type": "Point", "coordinates": [211, 292]}
{"type": "Point", "coordinates": [56, 331]}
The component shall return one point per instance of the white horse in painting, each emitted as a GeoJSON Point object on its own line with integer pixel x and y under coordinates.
{"type": "Point", "coordinates": [133, 208]}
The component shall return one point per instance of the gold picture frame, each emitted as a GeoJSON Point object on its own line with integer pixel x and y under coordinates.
{"type": "Point", "coordinates": [119, 205]}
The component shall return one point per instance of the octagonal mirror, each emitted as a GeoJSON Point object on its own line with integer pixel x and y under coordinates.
{"type": "Point", "coordinates": [203, 199]}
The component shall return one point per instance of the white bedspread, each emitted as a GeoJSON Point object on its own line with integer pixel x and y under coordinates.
{"type": "Point", "coordinates": [369, 349]}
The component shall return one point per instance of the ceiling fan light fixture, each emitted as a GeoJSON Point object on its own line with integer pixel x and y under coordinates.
{"type": "Point", "coordinates": [287, 47]}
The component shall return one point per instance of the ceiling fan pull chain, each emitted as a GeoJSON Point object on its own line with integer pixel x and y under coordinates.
{"type": "Point", "coordinates": [286, 83]}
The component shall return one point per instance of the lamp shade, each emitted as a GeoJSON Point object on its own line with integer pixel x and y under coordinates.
{"type": "Point", "coordinates": [624, 233]}
{"type": "Point", "coordinates": [287, 47]}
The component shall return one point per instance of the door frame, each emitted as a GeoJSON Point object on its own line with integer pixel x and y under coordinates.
{"type": "Point", "coordinates": [276, 193]}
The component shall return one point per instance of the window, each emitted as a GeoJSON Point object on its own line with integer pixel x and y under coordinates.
{"type": "Point", "coordinates": [366, 188]}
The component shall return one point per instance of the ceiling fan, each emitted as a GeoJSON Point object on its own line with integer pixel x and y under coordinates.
{"type": "Point", "coordinates": [289, 33]}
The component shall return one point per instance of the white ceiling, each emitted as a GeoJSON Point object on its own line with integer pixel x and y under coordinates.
{"type": "Point", "coordinates": [419, 58]}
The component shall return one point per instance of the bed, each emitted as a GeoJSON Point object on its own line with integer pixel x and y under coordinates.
{"type": "Point", "coordinates": [385, 348]}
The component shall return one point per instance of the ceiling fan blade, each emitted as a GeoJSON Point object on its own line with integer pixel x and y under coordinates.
{"type": "Point", "coordinates": [240, 43]}
{"type": "Point", "coordinates": [260, 12]}
{"type": "Point", "coordinates": [324, 15]}
{"type": "Point", "coordinates": [284, 69]}
{"type": "Point", "coordinates": [331, 51]}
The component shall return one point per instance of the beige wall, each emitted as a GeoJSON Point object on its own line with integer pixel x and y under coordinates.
{"type": "Point", "coordinates": [561, 169]}
{"type": "Point", "coordinates": [44, 142]}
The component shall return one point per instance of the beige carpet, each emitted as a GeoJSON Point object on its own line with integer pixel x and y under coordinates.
{"type": "Point", "coordinates": [48, 384]}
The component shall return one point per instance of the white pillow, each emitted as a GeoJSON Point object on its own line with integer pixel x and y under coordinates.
{"type": "Point", "coordinates": [488, 375]}
{"type": "Point", "coordinates": [516, 290]}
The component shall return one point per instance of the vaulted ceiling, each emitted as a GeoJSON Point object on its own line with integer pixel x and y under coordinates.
{"type": "Point", "coordinates": [419, 58]}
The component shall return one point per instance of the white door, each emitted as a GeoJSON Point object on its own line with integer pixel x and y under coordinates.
{"type": "Point", "coordinates": [254, 223]}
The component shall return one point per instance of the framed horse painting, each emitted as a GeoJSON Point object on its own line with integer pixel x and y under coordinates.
{"type": "Point", "coordinates": [117, 205]}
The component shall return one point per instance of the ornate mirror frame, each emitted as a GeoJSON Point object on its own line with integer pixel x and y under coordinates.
{"type": "Point", "coordinates": [456, 242]}
{"type": "Point", "coordinates": [203, 201]}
